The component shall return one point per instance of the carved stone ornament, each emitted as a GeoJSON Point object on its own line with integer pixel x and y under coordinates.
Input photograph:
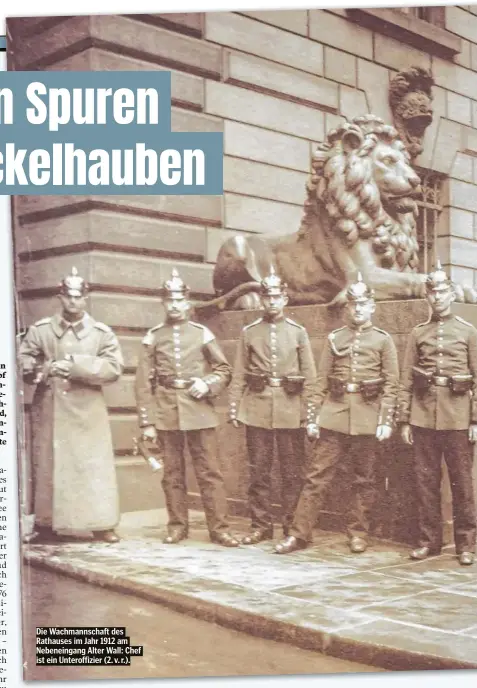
{"type": "Point", "coordinates": [359, 215]}
{"type": "Point", "coordinates": [410, 97]}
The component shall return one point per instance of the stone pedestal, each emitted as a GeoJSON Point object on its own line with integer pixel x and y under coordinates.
{"type": "Point", "coordinates": [395, 511]}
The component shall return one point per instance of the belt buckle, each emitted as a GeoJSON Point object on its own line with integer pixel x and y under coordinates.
{"type": "Point", "coordinates": [274, 381]}
{"type": "Point", "coordinates": [351, 387]}
{"type": "Point", "coordinates": [179, 384]}
{"type": "Point", "coordinates": [441, 381]}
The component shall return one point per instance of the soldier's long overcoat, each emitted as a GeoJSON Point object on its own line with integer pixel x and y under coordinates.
{"type": "Point", "coordinates": [75, 485]}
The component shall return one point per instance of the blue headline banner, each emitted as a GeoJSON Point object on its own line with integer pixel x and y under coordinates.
{"type": "Point", "coordinates": [100, 133]}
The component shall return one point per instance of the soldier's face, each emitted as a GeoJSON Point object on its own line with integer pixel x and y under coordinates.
{"type": "Point", "coordinates": [441, 300]}
{"type": "Point", "coordinates": [274, 305]}
{"type": "Point", "coordinates": [177, 310]}
{"type": "Point", "coordinates": [360, 312]}
{"type": "Point", "coordinates": [73, 305]}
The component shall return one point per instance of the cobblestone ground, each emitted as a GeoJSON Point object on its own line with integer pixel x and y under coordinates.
{"type": "Point", "coordinates": [378, 607]}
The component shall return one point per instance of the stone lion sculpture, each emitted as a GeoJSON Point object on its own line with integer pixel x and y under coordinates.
{"type": "Point", "coordinates": [359, 215]}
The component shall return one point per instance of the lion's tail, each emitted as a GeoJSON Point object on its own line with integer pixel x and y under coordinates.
{"type": "Point", "coordinates": [220, 302]}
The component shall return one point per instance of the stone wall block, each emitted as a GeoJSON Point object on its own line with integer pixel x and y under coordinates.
{"type": "Point", "coordinates": [286, 82]}
{"type": "Point", "coordinates": [397, 55]}
{"type": "Point", "coordinates": [330, 29]}
{"type": "Point", "coordinates": [439, 106]}
{"type": "Point", "coordinates": [459, 108]}
{"type": "Point", "coordinates": [196, 208]}
{"type": "Point", "coordinates": [124, 232]}
{"type": "Point", "coordinates": [261, 216]}
{"type": "Point", "coordinates": [255, 179]}
{"type": "Point", "coordinates": [291, 20]}
{"type": "Point", "coordinates": [264, 145]}
{"type": "Point", "coordinates": [373, 79]}
{"type": "Point", "coordinates": [353, 102]}
{"type": "Point", "coordinates": [242, 105]}
{"type": "Point", "coordinates": [257, 38]}
{"type": "Point", "coordinates": [448, 143]}
{"type": "Point", "coordinates": [340, 66]}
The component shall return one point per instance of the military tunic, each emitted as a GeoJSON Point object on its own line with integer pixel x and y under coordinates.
{"type": "Point", "coordinates": [348, 422]}
{"type": "Point", "coordinates": [275, 349]}
{"type": "Point", "coordinates": [352, 356]}
{"type": "Point", "coordinates": [440, 419]}
{"type": "Point", "coordinates": [74, 475]}
{"type": "Point", "coordinates": [183, 351]}
{"type": "Point", "coordinates": [445, 347]}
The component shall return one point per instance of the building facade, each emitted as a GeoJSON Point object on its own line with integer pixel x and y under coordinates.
{"type": "Point", "coordinates": [274, 82]}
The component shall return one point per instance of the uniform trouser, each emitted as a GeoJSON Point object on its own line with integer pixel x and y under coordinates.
{"type": "Point", "coordinates": [333, 448]}
{"type": "Point", "coordinates": [202, 445]}
{"type": "Point", "coordinates": [429, 446]}
{"type": "Point", "coordinates": [291, 451]}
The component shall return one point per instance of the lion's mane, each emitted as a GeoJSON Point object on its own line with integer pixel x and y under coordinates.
{"type": "Point", "coordinates": [342, 183]}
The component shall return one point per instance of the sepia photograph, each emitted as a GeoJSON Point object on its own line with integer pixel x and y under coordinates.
{"type": "Point", "coordinates": [247, 422]}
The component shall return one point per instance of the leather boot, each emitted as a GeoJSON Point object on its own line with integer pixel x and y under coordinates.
{"type": "Point", "coordinates": [290, 544]}
{"type": "Point", "coordinates": [257, 536]}
{"type": "Point", "coordinates": [174, 535]}
{"type": "Point", "coordinates": [106, 536]}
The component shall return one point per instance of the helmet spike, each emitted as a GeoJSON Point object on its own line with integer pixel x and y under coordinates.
{"type": "Point", "coordinates": [272, 285]}
{"type": "Point", "coordinates": [359, 290]}
{"type": "Point", "coordinates": [437, 280]}
{"type": "Point", "coordinates": [73, 283]}
{"type": "Point", "coordinates": [174, 287]}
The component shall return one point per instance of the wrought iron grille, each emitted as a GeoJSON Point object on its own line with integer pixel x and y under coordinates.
{"type": "Point", "coordinates": [430, 207]}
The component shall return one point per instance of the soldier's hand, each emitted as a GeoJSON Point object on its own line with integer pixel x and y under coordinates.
{"type": "Point", "coordinates": [473, 433]}
{"type": "Point", "coordinates": [199, 388]}
{"type": "Point", "coordinates": [150, 433]}
{"type": "Point", "coordinates": [236, 423]}
{"type": "Point", "coordinates": [61, 368]}
{"type": "Point", "coordinates": [383, 432]}
{"type": "Point", "coordinates": [313, 431]}
{"type": "Point", "coordinates": [406, 433]}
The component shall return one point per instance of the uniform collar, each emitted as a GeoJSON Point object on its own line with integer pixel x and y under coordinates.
{"type": "Point", "coordinates": [79, 327]}
{"type": "Point", "coordinates": [275, 321]}
{"type": "Point", "coordinates": [361, 328]}
{"type": "Point", "coordinates": [438, 318]}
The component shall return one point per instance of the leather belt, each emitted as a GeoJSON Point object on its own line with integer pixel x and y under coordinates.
{"type": "Point", "coordinates": [352, 387]}
{"type": "Point", "coordinates": [275, 381]}
{"type": "Point", "coordinates": [440, 381]}
{"type": "Point", "coordinates": [174, 383]}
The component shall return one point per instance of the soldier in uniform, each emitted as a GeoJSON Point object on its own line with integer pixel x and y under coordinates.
{"type": "Point", "coordinates": [181, 369]}
{"type": "Point", "coordinates": [438, 415]}
{"type": "Point", "coordinates": [69, 357]}
{"type": "Point", "coordinates": [271, 394]}
{"type": "Point", "coordinates": [356, 398]}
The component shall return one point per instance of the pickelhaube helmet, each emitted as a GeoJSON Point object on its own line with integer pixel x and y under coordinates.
{"type": "Point", "coordinates": [272, 285]}
{"type": "Point", "coordinates": [359, 290]}
{"type": "Point", "coordinates": [437, 280]}
{"type": "Point", "coordinates": [73, 284]}
{"type": "Point", "coordinates": [174, 287]}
